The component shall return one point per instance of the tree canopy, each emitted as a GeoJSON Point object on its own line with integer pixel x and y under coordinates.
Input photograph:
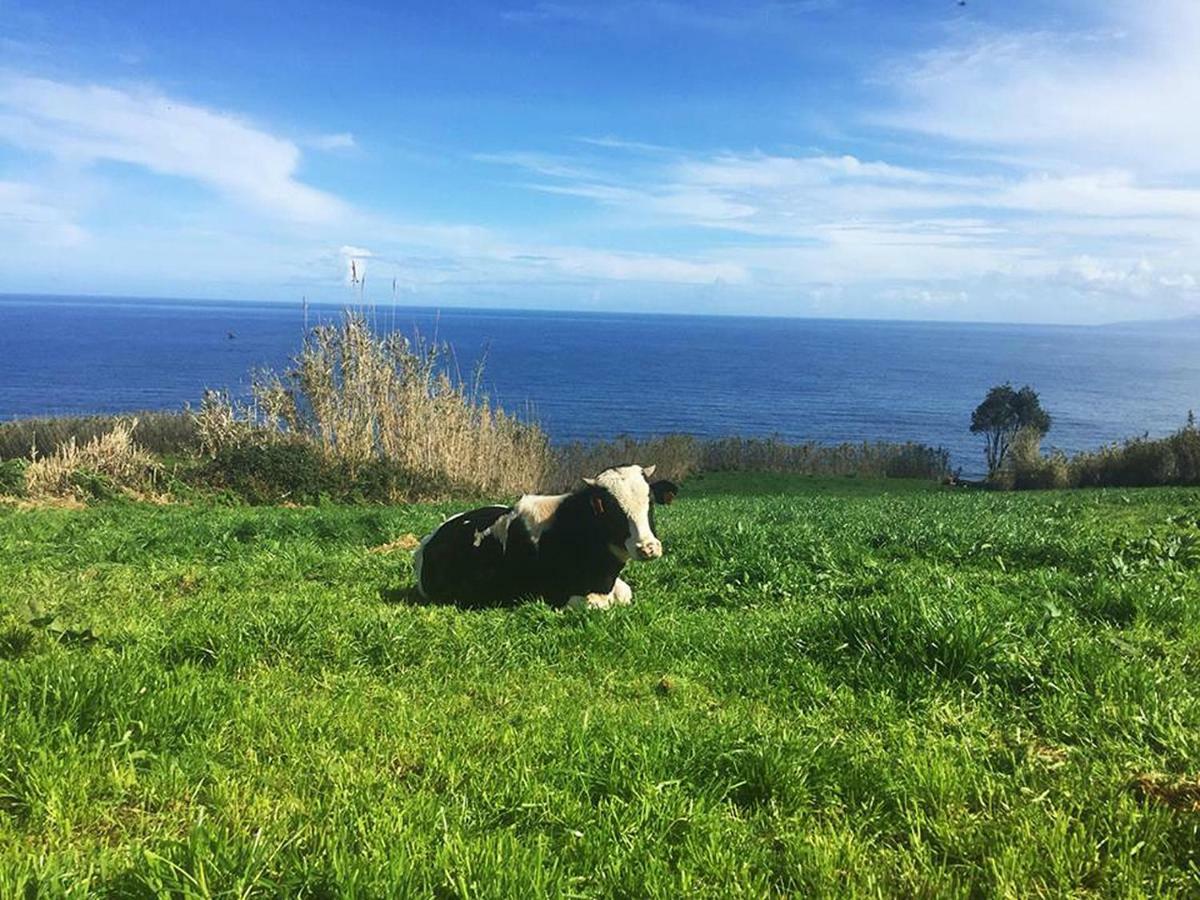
{"type": "Point", "coordinates": [1003, 413]}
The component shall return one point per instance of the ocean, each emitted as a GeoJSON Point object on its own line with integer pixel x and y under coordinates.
{"type": "Point", "coordinates": [591, 375]}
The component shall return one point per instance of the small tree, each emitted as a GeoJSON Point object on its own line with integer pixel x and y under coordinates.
{"type": "Point", "coordinates": [1002, 414]}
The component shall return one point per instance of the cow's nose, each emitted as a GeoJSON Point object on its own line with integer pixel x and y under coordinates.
{"type": "Point", "coordinates": [650, 549]}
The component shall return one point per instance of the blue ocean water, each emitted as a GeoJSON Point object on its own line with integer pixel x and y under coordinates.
{"type": "Point", "coordinates": [590, 375]}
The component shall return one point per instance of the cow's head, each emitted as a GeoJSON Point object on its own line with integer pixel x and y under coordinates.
{"type": "Point", "coordinates": [623, 497]}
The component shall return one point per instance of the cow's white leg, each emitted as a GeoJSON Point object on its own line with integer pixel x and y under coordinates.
{"type": "Point", "coordinates": [591, 601]}
{"type": "Point", "coordinates": [622, 594]}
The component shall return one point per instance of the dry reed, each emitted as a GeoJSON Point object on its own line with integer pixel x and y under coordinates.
{"type": "Point", "coordinates": [773, 454]}
{"type": "Point", "coordinates": [163, 433]}
{"type": "Point", "coordinates": [113, 458]}
{"type": "Point", "coordinates": [361, 398]}
{"type": "Point", "coordinates": [674, 456]}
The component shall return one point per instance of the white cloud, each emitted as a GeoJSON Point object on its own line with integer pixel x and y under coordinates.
{"type": "Point", "coordinates": [80, 125]}
{"type": "Point", "coordinates": [27, 211]}
{"type": "Point", "coordinates": [84, 124]}
{"type": "Point", "coordinates": [1139, 277]}
{"type": "Point", "coordinates": [1090, 140]}
{"type": "Point", "coordinates": [824, 219]}
{"type": "Point", "coordinates": [1120, 93]}
{"type": "Point", "coordinates": [540, 163]}
{"type": "Point", "coordinates": [1032, 169]}
{"type": "Point", "coordinates": [341, 141]}
{"type": "Point", "coordinates": [763, 171]}
{"type": "Point", "coordinates": [1105, 193]}
{"type": "Point", "coordinates": [755, 193]}
{"type": "Point", "coordinates": [643, 267]}
{"type": "Point", "coordinates": [924, 296]}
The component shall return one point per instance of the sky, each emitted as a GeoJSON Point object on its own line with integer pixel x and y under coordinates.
{"type": "Point", "coordinates": [1011, 161]}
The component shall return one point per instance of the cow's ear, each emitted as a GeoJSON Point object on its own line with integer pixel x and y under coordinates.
{"type": "Point", "coordinates": [648, 471]}
{"type": "Point", "coordinates": [664, 491]}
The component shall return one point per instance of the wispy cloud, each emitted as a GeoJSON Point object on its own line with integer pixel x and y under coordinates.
{"type": "Point", "coordinates": [342, 140]}
{"type": "Point", "coordinates": [85, 124]}
{"type": "Point", "coordinates": [1142, 279]}
{"type": "Point", "coordinates": [588, 263]}
{"type": "Point", "coordinates": [80, 125]}
{"type": "Point", "coordinates": [540, 163]}
{"type": "Point", "coordinates": [29, 211]}
{"type": "Point", "coordinates": [1118, 93]}
{"type": "Point", "coordinates": [841, 219]}
{"type": "Point", "coordinates": [998, 172]}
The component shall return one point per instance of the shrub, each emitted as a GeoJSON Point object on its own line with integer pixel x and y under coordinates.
{"type": "Point", "coordinates": [222, 425]}
{"type": "Point", "coordinates": [90, 485]}
{"type": "Point", "coordinates": [161, 433]}
{"type": "Point", "coordinates": [376, 413]}
{"type": "Point", "coordinates": [916, 461]}
{"type": "Point", "coordinates": [12, 477]}
{"type": "Point", "coordinates": [1048, 473]}
{"type": "Point", "coordinates": [675, 457]}
{"type": "Point", "coordinates": [382, 481]}
{"type": "Point", "coordinates": [270, 472]}
{"type": "Point", "coordinates": [1142, 462]}
{"type": "Point", "coordinates": [880, 459]}
{"type": "Point", "coordinates": [110, 464]}
{"type": "Point", "coordinates": [288, 470]}
{"type": "Point", "coordinates": [679, 455]}
{"type": "Point", "coordinates": [1026, 468]}
{"type": "Point", "coordinates": [1185, 446]}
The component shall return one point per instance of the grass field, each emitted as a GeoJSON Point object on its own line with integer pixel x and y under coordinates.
{"type": "Point", "coordinates": [824, 688]}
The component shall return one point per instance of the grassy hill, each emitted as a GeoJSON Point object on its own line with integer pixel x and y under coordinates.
{"type": "Point", "coordinates": [825, 687]}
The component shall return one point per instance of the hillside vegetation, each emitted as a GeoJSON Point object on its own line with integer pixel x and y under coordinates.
{"type": "Point", "coordinates": [361, 415]}
{"type": "Point", "coordinates": [364, 416]}
{"type": "Point", "coordinates": [826, 687]}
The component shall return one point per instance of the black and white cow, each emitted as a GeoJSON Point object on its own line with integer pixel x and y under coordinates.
{"type": "Point", "coordinates": [566, 548]}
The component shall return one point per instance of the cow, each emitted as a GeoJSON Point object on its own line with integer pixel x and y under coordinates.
{"type": "Point", "coordinates": [568, 549]}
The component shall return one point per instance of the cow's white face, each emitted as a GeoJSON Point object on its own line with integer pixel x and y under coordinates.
{"type": "Point", "coordinates": [630, 487]}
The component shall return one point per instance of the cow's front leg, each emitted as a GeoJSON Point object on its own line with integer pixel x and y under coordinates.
{"type": "Point", "coordinates": [622, 594]}
{"type": "Point", "coordinates": [590, 601]}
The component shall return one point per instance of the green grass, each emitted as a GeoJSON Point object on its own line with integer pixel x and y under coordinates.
{"type": "Point", "coordinates": [827, 687]}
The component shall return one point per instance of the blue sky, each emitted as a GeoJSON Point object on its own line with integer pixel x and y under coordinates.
{"type": "Point", "coordinates": [1001, 161]}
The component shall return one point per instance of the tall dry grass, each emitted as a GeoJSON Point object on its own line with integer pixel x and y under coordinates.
{"type": "Point", "coordinates": [221, 423]}
{"type": "Point", "coordinates": [163, 433]}
{"type": "Point", "coordinates": [773, 454]}
{"type": "Point", "coordinates": [1142, 461]}
{"type": "Point", "coordinates": [1138, 462]}
{"type": "Point", "coordinates": [1026, 468]}
{"type": "Point", "coordinates": [675, 457]}
{"type": "Point", "coordinates": [360, 398]}
{"type": "Point", "coordinates": [110, 463]}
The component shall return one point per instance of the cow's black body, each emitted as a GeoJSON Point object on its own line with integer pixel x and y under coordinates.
{"type": "Point", "coordinates": [578, 552]}
{"type": "Point", "coordinates": [454, 568]}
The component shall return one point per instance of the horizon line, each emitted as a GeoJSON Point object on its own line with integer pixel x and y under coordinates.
{"type": "Point", "coordinates": [370, 304]}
